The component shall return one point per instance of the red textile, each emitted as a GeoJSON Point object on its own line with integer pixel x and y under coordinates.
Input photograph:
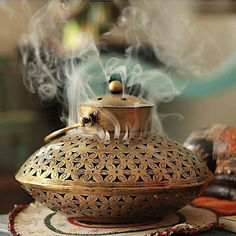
{"type": "Point", "coordinates": [223, 207]}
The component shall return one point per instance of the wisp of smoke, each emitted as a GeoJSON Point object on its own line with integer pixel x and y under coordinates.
{"type": "Point", "coordinates": [74, 76]}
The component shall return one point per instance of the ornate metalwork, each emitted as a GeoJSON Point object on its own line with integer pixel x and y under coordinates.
{"type": "Point", "coordinates": [80, 176]}
{"type": "Point", "coordinates": [116, 180]}
{"type": "Point", "coordinates": [85, 161]}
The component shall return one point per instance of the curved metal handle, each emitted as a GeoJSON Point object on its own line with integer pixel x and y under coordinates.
{"type": "Point", "coordinates": [85, 121]}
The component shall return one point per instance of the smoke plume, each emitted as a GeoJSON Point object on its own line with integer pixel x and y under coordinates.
{"type": "Point", "coordinates": [72, 76]}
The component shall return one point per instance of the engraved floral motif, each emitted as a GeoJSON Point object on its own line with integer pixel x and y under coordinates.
{"type": "Point", "coordinates": [133, 178]}
{"type": "Point", "coordinates": [153, 160]}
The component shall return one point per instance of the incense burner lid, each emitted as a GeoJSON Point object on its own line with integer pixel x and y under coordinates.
{"type": "Point", "coordinates": [112, 111]}
{"type": "Point", "coordinates": [117, 101]}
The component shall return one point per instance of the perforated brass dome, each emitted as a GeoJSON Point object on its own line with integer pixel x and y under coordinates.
{"type": "Point", "coordinates": [83, 177]}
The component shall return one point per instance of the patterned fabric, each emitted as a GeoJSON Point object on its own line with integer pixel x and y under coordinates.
{"type": "Point", "coordinates": [223, 207]}
{"type": "Point", "coordinates": [36, 219]}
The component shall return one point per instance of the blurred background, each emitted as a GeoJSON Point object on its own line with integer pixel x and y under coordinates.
{"type": "Point", "coordinates": [208, 98]}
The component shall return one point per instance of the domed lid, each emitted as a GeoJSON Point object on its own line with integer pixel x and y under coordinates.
{"type": "Point", "coordinates": [117, 101]}
{"type": "Point", "coordinates": [115, 113]}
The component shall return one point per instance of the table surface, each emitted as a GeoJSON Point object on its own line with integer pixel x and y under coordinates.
{"type": "Point", "coordinates": [215, 232]}
{"type": "Point", "coordinates": [3, 225]}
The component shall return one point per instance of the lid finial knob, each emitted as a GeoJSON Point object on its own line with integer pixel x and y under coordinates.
{"type": "Point", "coordinates": [115, 87]}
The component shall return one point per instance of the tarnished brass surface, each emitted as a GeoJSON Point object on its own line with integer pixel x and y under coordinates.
{"type": "Point", "coordinates": [115, 87]}
{"type": "Point", "coordinates": [120, 180]}
{"type": "Point", "coordinates": [125, 112]}
{"type": "Point", "coordinates": [84, 177]}
{"type": "Point", "coordinates": [85, 121]}
{"type": "Point", "coordinates": [117, 101]}
{"type": "Point", "coordinates": [135, 119]}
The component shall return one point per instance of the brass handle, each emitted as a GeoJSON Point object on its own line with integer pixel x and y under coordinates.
{"type": "Point", "coordinates": [85, 121]}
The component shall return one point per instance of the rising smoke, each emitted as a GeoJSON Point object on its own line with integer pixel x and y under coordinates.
{"type": "Point", "coordinates": [73, 76]}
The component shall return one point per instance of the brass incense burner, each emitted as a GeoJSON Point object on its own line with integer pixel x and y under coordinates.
{"type": "Point", "coordinates": [129, 176]}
